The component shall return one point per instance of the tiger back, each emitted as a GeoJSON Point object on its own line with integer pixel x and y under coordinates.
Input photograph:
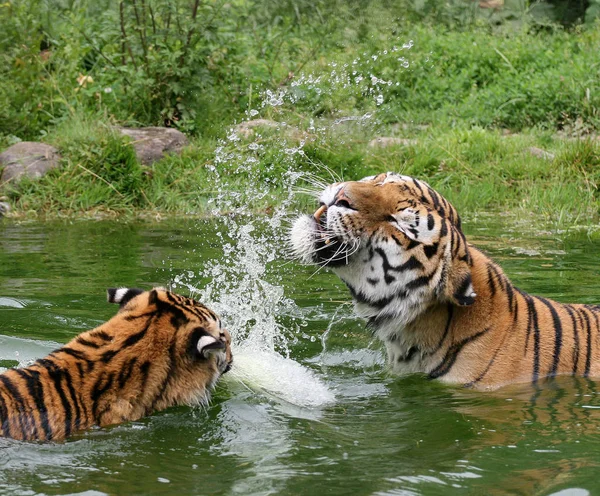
{"type": "Point", "coordinates": [161, 349]}
{"type": "Point", "coordinates": [440, 305]}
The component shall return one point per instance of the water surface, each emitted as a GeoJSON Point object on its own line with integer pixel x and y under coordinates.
{"type": "Point", "coordinates": [377, 434]}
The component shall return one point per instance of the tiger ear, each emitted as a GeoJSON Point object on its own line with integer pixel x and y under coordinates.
{"type": "Point", "coordinates": [459, 283]}
{"type": "Point", "coordinates": [208, 344]}
{"type": "Point", "coordinates": [122, 295]}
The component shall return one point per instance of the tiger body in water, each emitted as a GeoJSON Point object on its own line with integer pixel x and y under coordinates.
{"type": "Point", "coordinates": [161, 349]}
{"type": "Point", "coordinates": [440, 305]}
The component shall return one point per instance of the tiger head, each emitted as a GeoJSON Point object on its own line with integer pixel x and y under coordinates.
{"type": "Point", "coordinates": [394, 241]}
{"type": "Point", "coordinates": [177, 346]}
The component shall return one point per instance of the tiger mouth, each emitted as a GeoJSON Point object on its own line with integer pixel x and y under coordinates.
{"type": "Point", "coordinates": [330, 250]}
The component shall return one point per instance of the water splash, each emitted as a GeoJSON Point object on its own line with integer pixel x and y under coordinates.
{"type": "Point", "coordinates": [263, 155]}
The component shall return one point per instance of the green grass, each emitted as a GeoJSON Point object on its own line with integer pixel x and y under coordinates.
{"type": "Point", "coordinates": [475, 95]}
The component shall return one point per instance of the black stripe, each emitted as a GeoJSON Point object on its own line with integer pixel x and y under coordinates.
{"type": "Point", "coordinates": [101, 335]}
{"type": "Point", "coordinates": [126, 371]}
{"type": "Point", "coordinates": [489, 365]}
{"type": "Point", "coordinates": [443, 229]}
{"type": "Point", "coordinates": [144, 372]}
{"type": "Point", "coordinates": [80, 355]}
{"type": "Point", "coordinates": [31, 381]}
{"type": "Point", "coordinates": [575, 338]}
{"type": "Point", "coordinates": [103, 384]}
{"type": "Point", "coordinates": [491, 283]}
{"type": "Point", "coordinates": [450, 309]}
{"type": "Point", "coordinates": [412, 351]}
{"type": "Point", "coordinates": [416, 183]}
{"type": "Point", "coordinates": [74, 398]}
{"type": "Point", "coordinates": [536, 340]}
{"type": "Point", "coordinates": [4, 427]}
{"type": "Point", "coordinates": [557, 336]}
{"type": "Point", "coordinates": [452, 354]}
{"type": "Point", "coordinates": [430, 250]}
{"type": "Point", "coordinates": [164, 386]}
{"type": "Point", "coordinates": [453, 243]}
{"type": "Point", "coordinates": [411, 264]}
{"type": "Point", "coordinates": [90, 344]}
{"type": "Point", "coordinates": [588, 353]}
{"type": "Point", "coordinates": [17, 398]}
{"type": "Point", "coordinates": [435, 200]}
{"type": "Point", "coordinates": [107, 356]}
{"type": "Point", "coordinates": [360, 297]}
{"type": "Point", "coordinates": [430, 222]}
{"type": "Point", "coordinates": [420, 281]}
{"type": "Point", "coordinates": [56, 375]}
{"type": "Point", "coordinates": [412, 244]}
{"type": "Point", "coordinates": [510, 295]}
{"type": "Point", "coordinates": [526, 297]}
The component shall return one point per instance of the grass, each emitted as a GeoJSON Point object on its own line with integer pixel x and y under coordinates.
{"type": "Point", "coordinates": [475, 98]}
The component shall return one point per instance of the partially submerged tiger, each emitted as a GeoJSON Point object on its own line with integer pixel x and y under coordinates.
{"type": "Point", "coordinates": [160, 350]}
{"type": "Point", "coordinates": [440, 305]}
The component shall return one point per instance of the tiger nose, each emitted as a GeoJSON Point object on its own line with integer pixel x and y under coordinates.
{"type": "Point", "coordinates": [342, 199]}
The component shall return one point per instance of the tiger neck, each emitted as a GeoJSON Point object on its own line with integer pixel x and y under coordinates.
{"type": "Point", "coordinates": [415, 342]}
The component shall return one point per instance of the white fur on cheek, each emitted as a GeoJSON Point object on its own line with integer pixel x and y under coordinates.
{"type": "Point", "coordinates": [303, 237]}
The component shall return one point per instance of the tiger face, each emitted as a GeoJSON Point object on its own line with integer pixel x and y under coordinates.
{"type": "Point", "coordinates": [161, 349]}
{"type": "Point", "coordinates": [385, 236]}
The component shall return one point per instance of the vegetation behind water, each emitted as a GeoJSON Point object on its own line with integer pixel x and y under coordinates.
{"type": "Point", "coordinates": [471, 90]}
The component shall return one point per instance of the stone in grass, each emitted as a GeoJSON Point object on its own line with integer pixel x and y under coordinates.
{"type": "Point", "coordinates": [152, 143]}
{"type": "Point", "coordinates": [4, 206]}
{"type": "Point", "coordinates": [538, 152]}
{"type": "Point", "coordinates": [384, 142]}
{"type": "Point", "coordinates": [27, 159]}
{"type": "Point", "coordinates": [247, 129]}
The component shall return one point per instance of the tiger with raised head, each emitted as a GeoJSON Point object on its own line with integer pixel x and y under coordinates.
{"type": "Point", "coordinates": [440, 305]}
{"type": "Point", "coordinates": [161, 349]}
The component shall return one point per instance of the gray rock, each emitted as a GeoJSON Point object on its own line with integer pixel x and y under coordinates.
{"type": "Point", "coordinates": [384, 142]}
{"type": "Point", "coordinates": [27, 159]}
{"type": "Point", "coordinates": [4, 208]}
{"type": "Point", "coordinates": [152, 143]}
{"type": "Point", "coordinates": [247, 129]}
{"type": "Point", "coordinates": [538, 152]}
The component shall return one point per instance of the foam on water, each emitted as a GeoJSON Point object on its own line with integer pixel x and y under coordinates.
{"type": "Point", "coordinates": [280, 377]}
{"type": "Point", "coordinates": [260, 318]}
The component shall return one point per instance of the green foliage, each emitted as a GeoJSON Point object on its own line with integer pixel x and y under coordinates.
{"type": "Point", "coordinates": [70, 69]}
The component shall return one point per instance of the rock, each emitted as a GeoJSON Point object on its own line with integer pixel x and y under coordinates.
{"type": "Point", "coordinates": [27, 159]}
{"type": "Point", "coordinates": [152, 143]}
{"type": "Point", "coordinates": [247, 129]}
{"type": "Point", "coordinates": [4, 208]}
{"type": "Point", "coordinates": [384, 142]}
{"type": "Point", "coordinates": [538, 152]}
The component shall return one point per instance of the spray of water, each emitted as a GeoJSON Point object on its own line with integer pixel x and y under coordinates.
{"type": "Point", "coordinates": [244, 288]}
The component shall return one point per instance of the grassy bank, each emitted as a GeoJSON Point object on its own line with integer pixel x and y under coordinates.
{"type": "Point", "coordinates": [470, 99]}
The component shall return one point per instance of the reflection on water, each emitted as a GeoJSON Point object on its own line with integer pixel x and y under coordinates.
{"type": "Point", "coordinates": [345, 427]}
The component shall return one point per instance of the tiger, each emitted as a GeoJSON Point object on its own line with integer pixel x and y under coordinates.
{"type": "Point", "coordinates": [440, 305]}
{"type": "Point", "coordinates": [161, 349]}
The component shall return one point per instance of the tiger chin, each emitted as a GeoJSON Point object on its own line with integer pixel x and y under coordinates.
{"type": "Point", "coordinates": [440, 305]}
{"type": "Point", "coordinates": [161, 349]}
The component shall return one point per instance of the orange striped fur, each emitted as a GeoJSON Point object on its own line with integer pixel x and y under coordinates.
{"type": "Point", "coordinates": [440, 305]}
{"type": "Point", "coordinates": [161, 349]}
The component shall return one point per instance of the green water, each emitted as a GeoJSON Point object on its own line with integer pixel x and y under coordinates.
{"type": "Point", "coordinates": [382, 435]}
